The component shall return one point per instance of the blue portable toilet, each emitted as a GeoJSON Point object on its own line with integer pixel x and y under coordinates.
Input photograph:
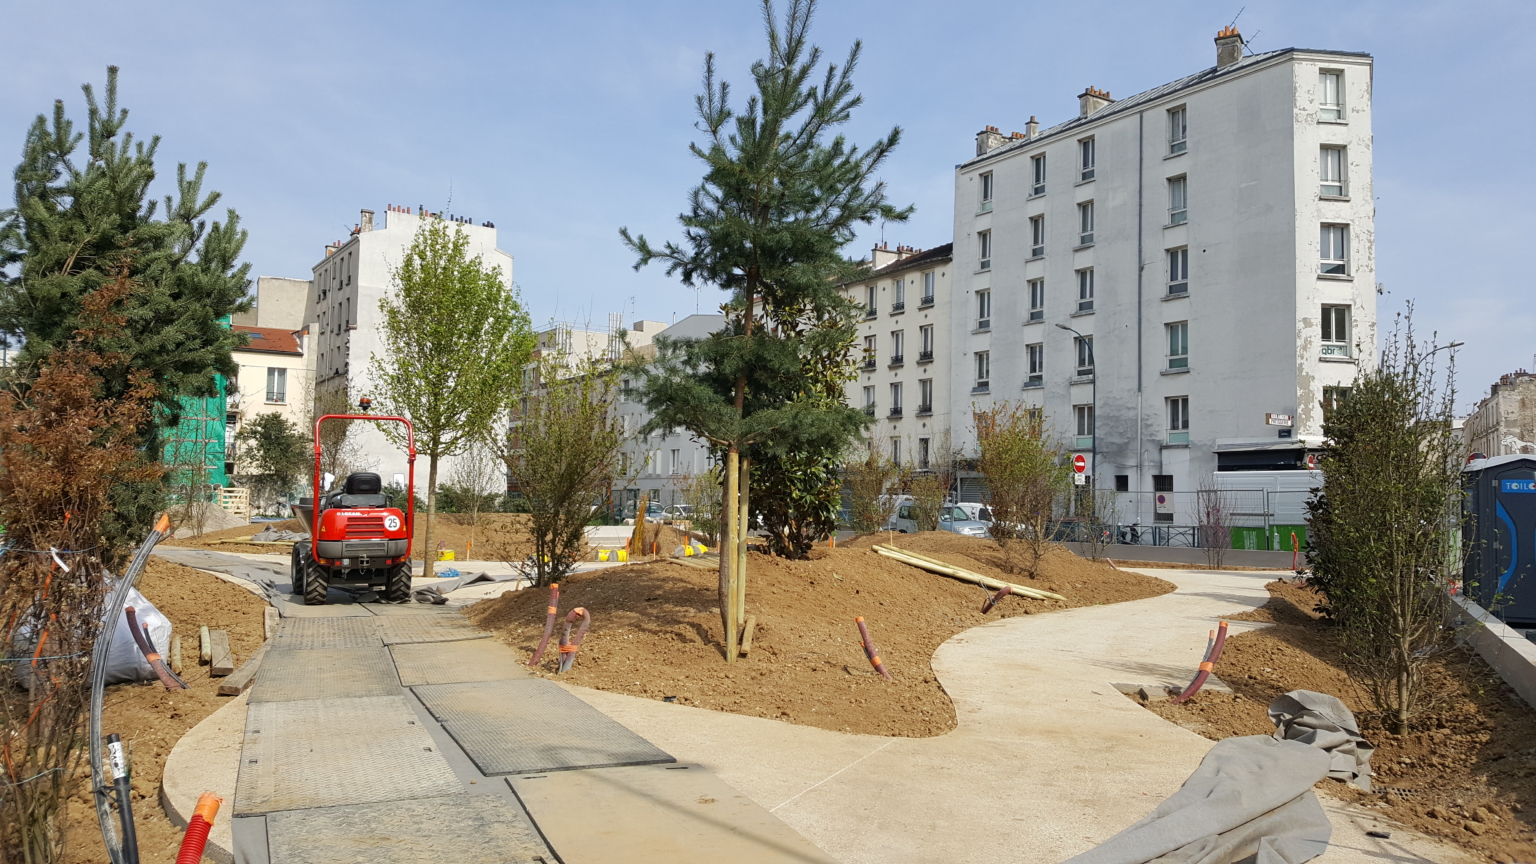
{"type": "Point", "coordinates": [1499, 536]}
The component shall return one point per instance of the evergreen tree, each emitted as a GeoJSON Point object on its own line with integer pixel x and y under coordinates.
{"type": "Point", "coordinates": [780, 198]}
{"type": "Point", "coordinates": [83, 219]}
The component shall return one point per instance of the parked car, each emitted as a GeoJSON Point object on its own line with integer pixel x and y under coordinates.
{"type": "Point", "coordinates": [951, 519]}
{"type": "Point", "coordinates": [976, 512]}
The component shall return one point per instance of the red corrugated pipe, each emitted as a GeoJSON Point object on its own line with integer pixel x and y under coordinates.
{"type": "Point", "coordinates": [1212, 654]}
{"type": "Point", "coordinates": [197, 830]}
{"type": "Point", "coordinates": [549, 622]}
{"type": "Point", "coordinates": [569, 647]}
{"type": "Point", "coordinates": [992, 601]}
{"type": "Point", "coordinates": [869, 649]}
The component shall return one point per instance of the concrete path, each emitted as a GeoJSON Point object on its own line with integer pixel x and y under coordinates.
{"type": "Point", "coordinates": [1048, 759]}
{"type": "Point", "coordinates": [401, 733]}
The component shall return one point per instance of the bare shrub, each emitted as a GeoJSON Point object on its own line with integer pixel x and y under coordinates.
{"type": "Point", "coordinates": [871, 477]}
{"type": "Point", "coordinates": [1026, 475]}
{"type": "Point", "coordinates": [1213, 515]}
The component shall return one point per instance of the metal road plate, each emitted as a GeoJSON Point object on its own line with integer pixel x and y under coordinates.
{"type": "Point", "coordinates": [393, 609]}
{"type": "Point", "coordinates": [330, 752]}
{"type": "Point", "coordinates": [305, 633]}
{"type": "Point", "coordinates": [456, 662]}
{"type": "Point", "coordinates": [289, 675]}
{"type": "Point", "coordinates": [397, 629]}
{"type": "Point", "coordinates": [532, 725]}
{"type": "Point", "coordinates": [461, 829]}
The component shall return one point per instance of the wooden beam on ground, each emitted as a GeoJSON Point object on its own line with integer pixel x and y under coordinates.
{"type": "Point", "coordinates": [746, 637]}
{"type": "Point", "coordinates": [204, 646]}
{"type": "Point", "coordinates": [176, 654]}
{"type": "Point", "coordinates": [243, 677]}
{"type": "Point", "coordinates": [223, 660]}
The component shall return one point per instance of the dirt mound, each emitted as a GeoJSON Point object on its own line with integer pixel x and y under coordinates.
{"type": "Point", "coordinates": [656, 630]}
{"type": "Point", "coordinates": [492, 537]}
{"type": "Point", "coordinates": [151, 720]}
{"type": "Point", "coordinates": [1465, 772]}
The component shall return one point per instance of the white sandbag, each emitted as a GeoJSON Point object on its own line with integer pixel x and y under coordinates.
{"type": "Point", "coordinates": [125, 662]}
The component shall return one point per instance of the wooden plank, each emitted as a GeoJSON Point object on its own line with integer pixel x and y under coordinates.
{"type": "Point", "coordinates": [223, 660]}
{"type": "Point", "coordinates": [243, 677]}
{"type": "Point", "coordinates": [204, 648]}
{"type": "Point", "coordinates": [269, 622]}
{"type": "Point", "coordinates": [176, 654]}
{"type": "Point", "coordinates": [746, 639]}
{"type": "Point", "coordinates": [248, 541]}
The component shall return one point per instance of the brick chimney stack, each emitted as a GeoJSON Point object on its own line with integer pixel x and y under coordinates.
{"type": "Point", "coordinates": [987, 140]}
{"type": "Point", "coordinates": [1091, 100]}
{"type": "Point", "coordinates": [1229, 47]}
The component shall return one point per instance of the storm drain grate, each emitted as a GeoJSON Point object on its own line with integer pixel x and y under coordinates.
{"type": "Point", "coordinates": [289, 675]}
{"type": "Point", "coordinates": [532, 725]}
{"type": "Point", "coordinates": [463, 829]}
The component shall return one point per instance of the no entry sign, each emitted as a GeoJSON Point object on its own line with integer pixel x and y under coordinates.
{"type": "Point", "coordinates": [1079, 463]}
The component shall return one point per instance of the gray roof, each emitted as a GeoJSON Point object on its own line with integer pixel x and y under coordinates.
{"type": "Point", "coordinates": [1129, 104]}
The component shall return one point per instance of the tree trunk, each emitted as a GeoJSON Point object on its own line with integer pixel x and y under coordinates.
{"type": "Point", "coordinates": [743, 522]}
{"type": "Point", "coordinates": [728, 553]}
{"type": "Point", "coordinates": [426, 538]}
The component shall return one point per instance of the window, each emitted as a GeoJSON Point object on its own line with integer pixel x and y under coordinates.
{"type": "Point", "coordinates": [869, 302]}
{"type": "Point", "coordinates": [1333, 397]}
{"type": "Point", "coordinates": [928, 289]}
{"type": "Point", "coordinates": [897, 343]}
{"type": "Point", "coordinates": [1334, 250]}
{"type": "Point", "coordinates": [677, 462]}
{"type": "Point", "coordinates": [1036, 356]}
{"type": "Point", "coordinates": [896, 399]}
{"type": "Point", "coordinates": [984, 247]}
{"type": "Point", "coordinates": [1330, 103]}
{"type": "Point", "coordinates": [1177, 130]}
{"type": "Point", "coordinates": [986, 192]}
{"type": "Point", "coordinates": [1178, 345]}
{"type": "Point", "coordinates": [869, 352]}
{"type": "Point", "coordinates": [1178, 200]}
{"type": "Point", "coordinates": [1036, 236]}
{"type": "Point", "coordinates": [925, 396]}
{"type": "Point", "coordinates": [1122, 482]}
{"type": "Point", "coordinates": [1084, 347]}
{"type": "Point", "coordinates": [983, 371]}
{"type": "Point", "coordinates": [899, 295]}
{"type": "Point", "coordinates": [1085, 290]}
{"type": "Point", "coordinates": [1335, 331]}
{"type": "Point", "coordinates": [922, 454]}
{"type": "Point", "coordinates": [983, 310]}
{"type": "Point", "coordinates": [925, 337]}
{"type": "Point", "coordinates": [1084, 437]}
{"type": "Point", "coordinates": [1037, 166]}
{"type": "Point", "coordinates": [1330, 171]}
{"type": "Point", "coordinates": [277, 385]}
{"type": "Point", "coordinates": [1178, 271]}
{"type": "Point", "coordinates": [1085, 150]}
{"type": "Point", "coordinates": [1085, 223]}
{"type": "Point", "coordinates": [1178, 420]}
{"type": "Point", "coordinates": [1162, 483]}
{"type": "Point", "coordinates": [869, 401]}
{"type": "Point", "coordinates": [1037, 300]}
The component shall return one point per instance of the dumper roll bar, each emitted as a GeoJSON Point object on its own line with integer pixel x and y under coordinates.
{"type": "Point", "coordinates": [410, 449]}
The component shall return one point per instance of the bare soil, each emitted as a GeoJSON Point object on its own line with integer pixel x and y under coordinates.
{"type": "Point", "coordinates": [1466, 770]}
{"type": "Point", "coordinates": [656, 629]}
{"type": "Point", "coordinates": [491, 537]}
{"type": "Point", "coordinates": [151, 719]}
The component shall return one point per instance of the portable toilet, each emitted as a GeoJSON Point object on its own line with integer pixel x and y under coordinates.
{"type": "Point", "coordinates": [1499, 536]}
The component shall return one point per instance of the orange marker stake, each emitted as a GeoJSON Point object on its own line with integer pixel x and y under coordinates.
{"type": "Point", "coordinates": [869, 649]}
{"type": "Point", "coordinates": [549, 623]}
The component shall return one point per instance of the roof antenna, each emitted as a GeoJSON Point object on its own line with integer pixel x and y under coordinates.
{"type": "Point", "coordinates": [1249, 41]}
{"type": "Point", "coordinates": [1237, 16]}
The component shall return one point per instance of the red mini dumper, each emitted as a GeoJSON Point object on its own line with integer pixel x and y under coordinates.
{"type": "Point", "coordinates": [355, 539]}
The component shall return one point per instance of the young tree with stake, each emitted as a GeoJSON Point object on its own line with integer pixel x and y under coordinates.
{"type": "Point", "coordinates": [455, 340]}
{"type": "Point", "coordinates": [781, 196]}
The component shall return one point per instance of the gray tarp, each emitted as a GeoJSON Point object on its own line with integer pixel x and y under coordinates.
{"type": "Point", "coordinates": [1323, 722]}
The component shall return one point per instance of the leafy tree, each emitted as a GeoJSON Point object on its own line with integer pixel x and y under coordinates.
{"type": "Point", "coordinates": [455, 336]}
{"type": "Point", "coordinates": [563, 452]}
{"type": "Point", "coordinates": [80, 219]}
{"type": "Point", "coordinates": [780, 198]}
{"type": "Point", "coordinates": [275, 455]}
{"type": "Point", "coordinates": [1026, 475]}
{"type": "Point", "coordinates": [1382, 530]}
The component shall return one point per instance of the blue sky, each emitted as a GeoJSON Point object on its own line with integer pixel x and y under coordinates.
{"type": "Point", "coordinates": [562, 122]}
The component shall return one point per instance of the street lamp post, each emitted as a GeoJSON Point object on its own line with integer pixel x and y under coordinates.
{"type": "Point", "coordinates": [1093, 458]}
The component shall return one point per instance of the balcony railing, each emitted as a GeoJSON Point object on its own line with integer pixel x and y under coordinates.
{"type": "Point", "coordinates": [897, 359]}
{"type": "Point", "coordinates": [895, 410]}
{"type": "Point", "coordinates": [925, 356]}
{"type": "Point", "coordinates": [925, 302]}
{"type": "Point", "coordinates": [869, 410]}
{"type": "Point", "coordinates": [870, 312]}
{"type": "Point", "coordinates": [869, 364]}
{"type": "Point", "coordinates": [898, 306]}
{"type": "Point", "coordinates": [924, 410]}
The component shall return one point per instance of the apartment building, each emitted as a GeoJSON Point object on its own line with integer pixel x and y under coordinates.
{"type": "Point", "coordinates": [905, 349]}
{"type": "Point", "coordinates": [1182, 280]}
{"type": "Point", "coordinates": [1505, 420]}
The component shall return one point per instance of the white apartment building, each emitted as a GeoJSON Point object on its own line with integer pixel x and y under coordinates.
{"type": "Point", "coordinates": [905, 346]}
{"type": "Point", "coordinates": [277, 366]}
{"type": "Point", "coordinates": [344, 296]}
{"type": "Point", "coordinates": [1182, 280]}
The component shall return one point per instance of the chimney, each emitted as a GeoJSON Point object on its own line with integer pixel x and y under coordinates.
{"type": "Point", "coordinates": [1091, 100]}
{"type": "Point", "coordinates": [1229, 47]}
{"type": "Point", "coordinates": [1032, 128]}
{"type": "Point", "coordinates": [367, 223]}
{"type": "Point", "coordinates": [330, 249]}
{"type": "Point", "coordinates": [987, 140]}
{"type": "Point", "coordinates": [882, 255]}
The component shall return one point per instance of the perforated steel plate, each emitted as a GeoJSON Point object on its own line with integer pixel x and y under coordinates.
{"type": "Point", "coordinates": [288, 675]}
{"type": "Point", "coordinates": [462, 829]}
{"type": "Point", "coordinates": [302, 633]}
{"type": "Point", "coordinates": [323, 753]}
{"type": "Point", "coordinates": [520, 727]}
{"type": "Point", "coordinates": [456, 662]}
{"type": "Point", "coordinates": [394, 609]}
{"type": "Point", "coordinates": [399, 629]}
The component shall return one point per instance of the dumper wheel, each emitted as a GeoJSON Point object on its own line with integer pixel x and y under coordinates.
{"type": "Point", "coordinates": [316, 583]}
{"type": "Point", "coordinates": [296, 569]}
{"type": "Point", "coordinates": [399, 588]}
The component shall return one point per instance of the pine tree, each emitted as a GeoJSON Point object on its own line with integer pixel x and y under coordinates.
{"type": "Point", "coordinates": [83, 219]}
{"type": "Point", "coordinates": [780, 198]}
